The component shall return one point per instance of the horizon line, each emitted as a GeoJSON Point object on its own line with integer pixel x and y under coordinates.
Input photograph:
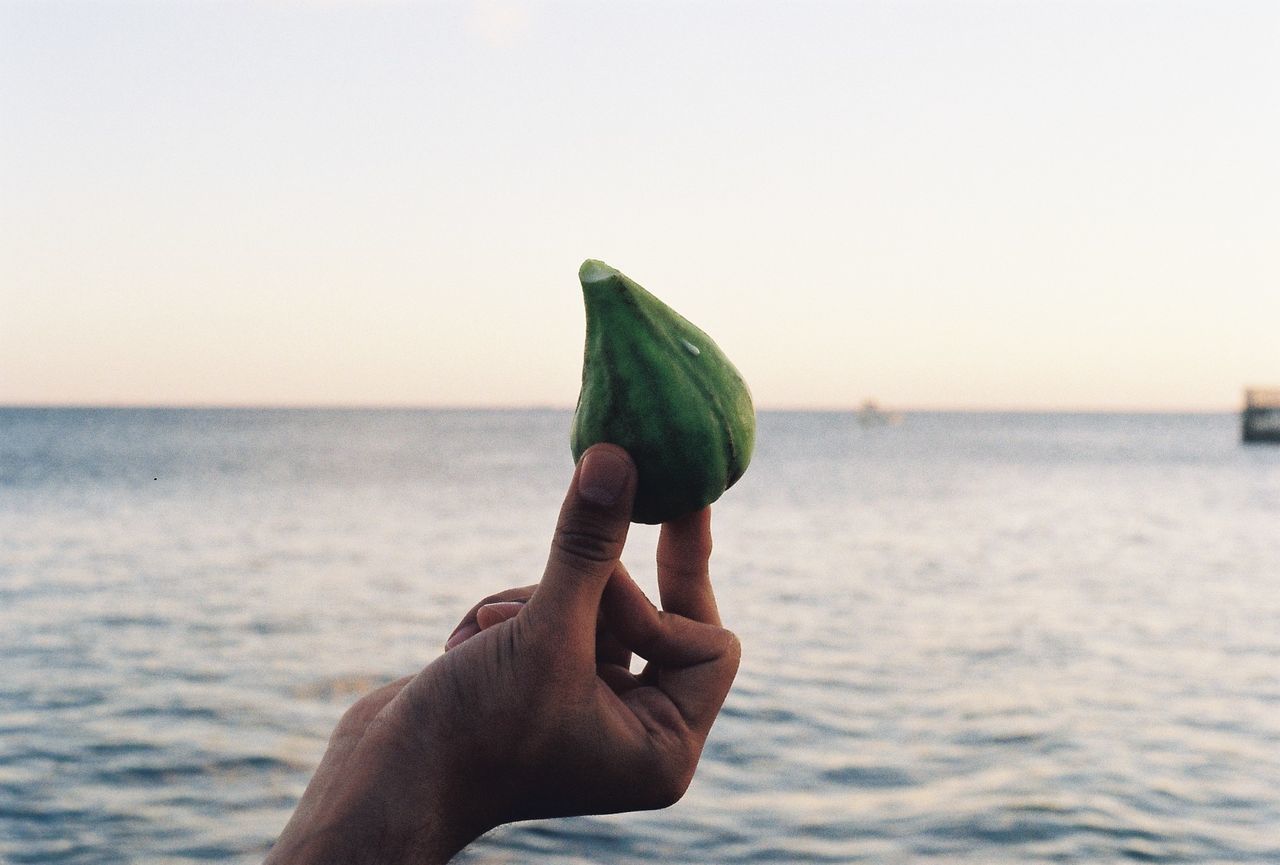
{"type": "Point", "coordinates": [776, 408]}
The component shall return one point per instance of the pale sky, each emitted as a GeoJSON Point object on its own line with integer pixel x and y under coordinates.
{"type": "Point", "coordinates": [938, 204]}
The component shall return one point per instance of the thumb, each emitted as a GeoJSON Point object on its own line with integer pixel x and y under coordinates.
{"type": "Point", "coordinates": [587, 544]}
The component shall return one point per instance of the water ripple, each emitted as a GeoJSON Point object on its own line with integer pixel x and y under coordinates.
{"type": "Point", "coordinates": [980, 640]}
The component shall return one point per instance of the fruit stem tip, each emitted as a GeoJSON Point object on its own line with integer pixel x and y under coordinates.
{"type": "Point", "coordinates": [595, 271]}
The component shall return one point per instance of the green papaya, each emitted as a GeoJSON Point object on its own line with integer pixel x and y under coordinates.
{"type": "Point", "coordinates": [659, 387]}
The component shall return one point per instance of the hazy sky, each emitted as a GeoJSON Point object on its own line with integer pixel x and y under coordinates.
{"type": "Point", "coordinates": [939, 204]}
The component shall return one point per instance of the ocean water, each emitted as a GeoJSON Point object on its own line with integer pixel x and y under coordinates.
{"type": "Point", "coordinates": [970, 638]}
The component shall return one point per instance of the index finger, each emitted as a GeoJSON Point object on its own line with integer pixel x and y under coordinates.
{"type": "Point", "coordinates": [684, 575]}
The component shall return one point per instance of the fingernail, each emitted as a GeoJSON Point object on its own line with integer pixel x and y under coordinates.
{"type": "Point", "coordinates": [603, 477]}
{"type": "Point", "coordinates": [499, 611]}
{"type": "Point", "coordinates": [462, 634]}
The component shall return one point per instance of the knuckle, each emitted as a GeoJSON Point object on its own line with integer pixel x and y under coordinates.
{"type": "Point", "coordinates": [355, 720]}
{"type": "Point", "coordinates": [670, 788]}
{"type": "Point", "coordinates": [360, 712]}
{"type": "Point", "coordinates": [682, 570]}
{"type": "Point", "coordinates": [732, 647]}
{"type": "Point", "coordinates": [588, 541]}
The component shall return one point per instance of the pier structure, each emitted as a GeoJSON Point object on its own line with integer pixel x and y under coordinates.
{"type": "Point", "coordinates": [1260, 421]}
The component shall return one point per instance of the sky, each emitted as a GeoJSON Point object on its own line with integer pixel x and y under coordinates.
{"type": "Point", "coordinates": [937, 204]}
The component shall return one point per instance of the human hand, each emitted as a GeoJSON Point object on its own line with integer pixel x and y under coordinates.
{"type": "Point", "coordinates": [533, 710]}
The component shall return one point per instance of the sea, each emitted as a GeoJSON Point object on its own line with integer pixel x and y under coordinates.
{"type": "Point", "coordinates": [967, 637]}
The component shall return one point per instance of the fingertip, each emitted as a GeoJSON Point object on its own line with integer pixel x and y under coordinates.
{"type": "Point", "coordinates": [497, 612]}
{"type": "Point", "coordinates": [686, 540]}
{"type": "Point", "coordinates": [604, 474]}
{"type": "Point", "coordinates": [463, 633]}
{"type": "Point", "coordinates": [694, 520]}
{"type": "Point", "coordinates": [696, 529]}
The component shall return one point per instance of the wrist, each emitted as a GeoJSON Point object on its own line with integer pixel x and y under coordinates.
{"type": "Point", "coordinates": [370, 836]}
{"type": "Point", "coordinates": [391, 806]}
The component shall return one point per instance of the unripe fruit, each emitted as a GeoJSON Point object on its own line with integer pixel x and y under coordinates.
{"type": "Point", "coordinates": [659, 387]}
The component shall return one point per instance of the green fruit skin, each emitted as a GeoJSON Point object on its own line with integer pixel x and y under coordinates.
{"type": "Point", "coordinates": [684, 414]}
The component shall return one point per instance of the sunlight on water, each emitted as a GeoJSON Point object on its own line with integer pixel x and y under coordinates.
{"type": "Point", "coordinates": [968, 638]}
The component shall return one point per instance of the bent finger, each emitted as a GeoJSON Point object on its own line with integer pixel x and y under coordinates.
{"type": "Point", "coordinates": [620, 593]}
{"type": "Point", "coordinates": [497, 613]}
{"type": "Point", "coordinates": [697, 688]}
{"type": "Point", "coordinates": [693, 663]}
{"type": "Point", "coordinates": [469, 627]}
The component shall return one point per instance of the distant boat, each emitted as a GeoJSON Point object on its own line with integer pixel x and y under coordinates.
{"type": "Point", "coordinates": [870, 414]}
{"type": "Point", "coordinates": [1260, 420]}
